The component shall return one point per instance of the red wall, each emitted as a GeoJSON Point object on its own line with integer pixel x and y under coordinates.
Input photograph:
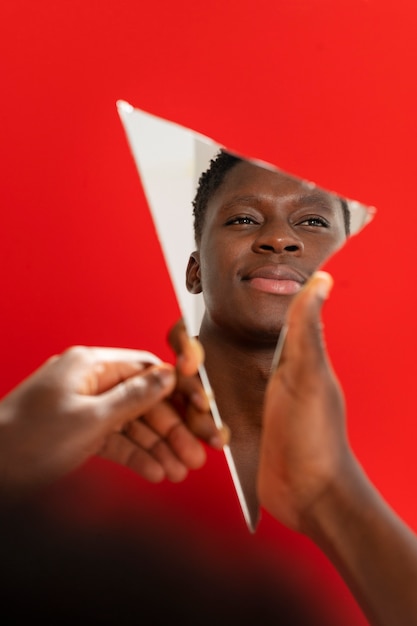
{"type": "Point", "coordinates": [324, 89]}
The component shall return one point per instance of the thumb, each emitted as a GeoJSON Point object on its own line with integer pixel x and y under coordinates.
{"type": "Point", "coordinates": [136, 395]}
{"type": "Point", "coordinates": [189, 351]}
{"type": "Point", "coordinates": [303, 338]}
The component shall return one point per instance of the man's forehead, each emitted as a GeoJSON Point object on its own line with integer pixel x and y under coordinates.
{"type": "Point", "coordinates": [247, 182]}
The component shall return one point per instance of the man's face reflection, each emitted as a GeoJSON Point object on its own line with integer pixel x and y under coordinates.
{"type": "Point", "coordinates": [264, 233]}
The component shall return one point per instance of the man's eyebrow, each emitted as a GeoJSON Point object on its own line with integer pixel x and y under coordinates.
{"type": "Point", "coordinates": [245, 199]}
{"type": "Point", "coordinates": [318, 197]}
{"type": "Point", "coordinates": [322, 199]}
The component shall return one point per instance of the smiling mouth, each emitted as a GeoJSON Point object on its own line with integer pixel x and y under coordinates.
{"type": "Point", "coordinates": [277, 280]}
{"type": "Point", "coordinates": [284, 287]}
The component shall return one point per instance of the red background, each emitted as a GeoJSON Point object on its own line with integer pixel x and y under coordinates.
{"type": "Point", "coordinates": [324, 89]}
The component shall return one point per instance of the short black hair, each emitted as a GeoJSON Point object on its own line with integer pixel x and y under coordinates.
{"type": "Point", "coordinates": [211, 179]}
{"type": "Point", "coordinates": [208, 183]}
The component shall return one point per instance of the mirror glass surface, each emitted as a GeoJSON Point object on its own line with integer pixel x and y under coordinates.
{"type": "Point", "coordinates": [170, 160]}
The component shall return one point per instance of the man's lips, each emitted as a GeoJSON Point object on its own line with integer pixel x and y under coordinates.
{"type": "Point", "coordinates": [277, 279]}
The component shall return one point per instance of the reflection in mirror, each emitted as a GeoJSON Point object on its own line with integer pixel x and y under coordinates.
{"type": "Point", "coordinates": [240, 237]}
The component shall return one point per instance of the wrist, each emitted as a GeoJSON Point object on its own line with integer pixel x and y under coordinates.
{"type": "Point", "coordinates": [343, 497]}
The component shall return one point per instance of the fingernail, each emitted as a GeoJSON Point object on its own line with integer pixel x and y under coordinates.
{"type": "Point", "coordinates": [323, 283]}
{"type": "Point", "coordinates": [197, 346]}
{"type": "Point", "coordinates": [221, 439]}
{"type": "Point", "coordinates": [166, 375]}
{"type": "Point", "coordinates": [200, 401]}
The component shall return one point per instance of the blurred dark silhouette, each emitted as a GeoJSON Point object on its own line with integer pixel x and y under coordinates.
{"type": "Point", "coordinates": [121, 573]}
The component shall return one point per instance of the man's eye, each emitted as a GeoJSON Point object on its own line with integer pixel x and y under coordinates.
{"type": "Point", "coordinates": [315, 220]}
{"type": "Point", "coordinates": [242, 219]}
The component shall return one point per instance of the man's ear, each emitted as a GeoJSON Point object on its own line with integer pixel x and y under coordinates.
{"type": "Point", "coordinates": [193, 273]}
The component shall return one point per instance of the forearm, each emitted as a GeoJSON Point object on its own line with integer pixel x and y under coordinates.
{"type": "Point", "coordinates": [373, 550]}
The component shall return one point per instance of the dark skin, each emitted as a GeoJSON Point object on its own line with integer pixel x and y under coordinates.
{"type": "Point", "coordinates": [264, 234]}
{"type": "Point", "coordinates": [311, 481]}
{"type": "Point", "coordinates": [124, 405]}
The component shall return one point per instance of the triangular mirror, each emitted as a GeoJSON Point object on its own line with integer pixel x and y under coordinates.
{"type": "Point", "coordinates": [174, 162]}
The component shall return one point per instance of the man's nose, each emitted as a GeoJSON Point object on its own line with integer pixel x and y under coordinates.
{"type": "Point", "coordinates": [278, 238]}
